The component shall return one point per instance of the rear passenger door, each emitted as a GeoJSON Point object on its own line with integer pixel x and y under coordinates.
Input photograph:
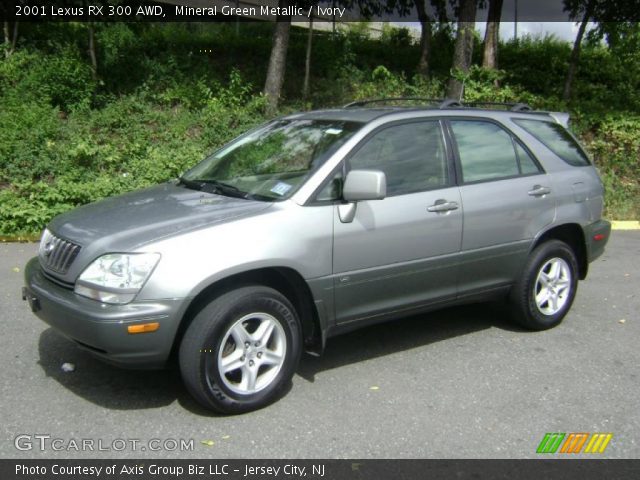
{"type": "Point", "coordinates": [507, 200]}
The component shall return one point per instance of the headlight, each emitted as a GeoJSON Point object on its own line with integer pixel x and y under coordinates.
{"type": "Point", "coordinates": [44, 240]}
{"type": "Point", "coordinates": [116, 277]}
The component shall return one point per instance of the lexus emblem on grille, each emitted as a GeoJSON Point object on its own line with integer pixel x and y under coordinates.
{"type": "Point", "coordinates": [48, 248]}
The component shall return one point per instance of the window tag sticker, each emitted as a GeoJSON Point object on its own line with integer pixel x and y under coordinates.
{"type": "Point", "coordinates": [281, 188]}
{"type": "Point", "coordinates": [333, 131]}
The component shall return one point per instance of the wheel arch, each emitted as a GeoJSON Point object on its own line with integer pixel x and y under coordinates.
{"type": "Point", "coordinates": [285, 280]}
{"type": "Point", "coordinates": [573, 235]}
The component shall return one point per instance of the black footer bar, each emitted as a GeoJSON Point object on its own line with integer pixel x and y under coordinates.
{"type": "Point", "coordinates": [142, 469]}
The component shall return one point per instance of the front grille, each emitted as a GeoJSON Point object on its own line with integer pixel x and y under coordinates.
{"type": "Point", "coordinates": [58, 254]}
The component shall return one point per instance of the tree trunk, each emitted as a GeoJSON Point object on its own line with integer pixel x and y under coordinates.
{"type": "Point", "coordinates": [7, 39]}
{"type": "Point", "coordinates": [92, 53]}
{"type": "Point", "coordinates": [463, 47]}
{"type": "Point", "coordinates": [237, 19]}
{"type": "Point", "coordinates": [10, 39]}
{"type": "Point", "coordinates": [490, 55]}
{"type": "Point", "coordinates": [575, 53]}
{"type": "Point", "coordinates": [14, 40]}
{"type": "Point", "coordinates": [425, 38]}
{"type": "Point", "coordinates": [277, 61]}
{"type": "Point", "coordinates": [307, 60]}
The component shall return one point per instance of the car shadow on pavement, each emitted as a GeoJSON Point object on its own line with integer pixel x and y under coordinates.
{"type": "Point", "coordinates": [102, 384]}
{"type": "Point", "coordinates": [119, 389]}
{"type": "Point", "coordinates": [405, 334]}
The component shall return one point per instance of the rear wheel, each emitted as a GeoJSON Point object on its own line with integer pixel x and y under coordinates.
{"type": "Point", "coordinates": [241, 350]}
{"type": "Point", "coordinates": [543, 295]}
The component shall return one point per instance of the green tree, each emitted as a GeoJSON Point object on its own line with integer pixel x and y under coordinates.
{"type": "Point", "coordinates": [280, 43]}
{"type": "Point", "coordinates": [604, 14]}
{"type": "Point", "coordinates": [426, 31]}
{"type": "Point", "coordinates": [277, 59]}
{"type": "Point", "coordinates": [491, 35]}
{"type": "Point", "coordinates": [585, 9]}
{"type": "Point", "coordinates": [463, 49]}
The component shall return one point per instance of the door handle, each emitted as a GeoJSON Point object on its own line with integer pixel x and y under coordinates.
{"type": "Point", "coordinates": [442, 205]}
{"type": "Point", "coordinates": [539, 191]}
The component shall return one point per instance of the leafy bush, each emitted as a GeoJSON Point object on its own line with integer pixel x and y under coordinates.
{"type": "Point", "coordinates": [27, 140]}
{"type": "Point", "coordinates": [168, 94]}
{"type": "Point", "coordinates": [538, 65]}
{"type": "Point", "coordinates": [53, 162]}
{"type": "Point", "coordinates": [615, 146]}
{"type": "Point", "coordinates": [62, 79]}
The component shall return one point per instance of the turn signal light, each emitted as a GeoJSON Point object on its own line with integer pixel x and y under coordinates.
{"type": "Point", "coordinates": [598, 237]}
{"type": "Point", "coordinates": [143, 327]}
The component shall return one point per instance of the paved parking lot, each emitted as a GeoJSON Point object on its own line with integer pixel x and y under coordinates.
{"type": "Point", "coordinates": [463, 382]}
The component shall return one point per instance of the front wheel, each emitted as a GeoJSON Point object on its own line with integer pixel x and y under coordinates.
{"type": "Point", "coordinates": [543, 295]}
{"type": "Point", "coordinates": [241, 350]}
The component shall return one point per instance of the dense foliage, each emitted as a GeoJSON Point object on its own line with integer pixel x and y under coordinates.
{"type": "Point", "coordinates": [167, 94]}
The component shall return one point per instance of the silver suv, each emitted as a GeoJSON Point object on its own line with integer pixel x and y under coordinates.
{"type": "Point", "coordinates": [318, 223]}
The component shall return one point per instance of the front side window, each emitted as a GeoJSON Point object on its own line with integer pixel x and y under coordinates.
{"type": "Point", "coordinates": [412, 156]}
{"type": "Point", "coordinates": [271, 162]}
{"type": "Point", "coordinates": [556, 138]}
{"type": "Point", "coordinates": [332, 190]}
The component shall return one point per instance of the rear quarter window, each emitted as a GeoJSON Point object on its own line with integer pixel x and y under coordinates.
{"type": "Point", "coordinates": [557, 139]}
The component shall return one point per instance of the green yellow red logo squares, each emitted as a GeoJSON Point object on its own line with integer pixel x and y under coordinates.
{"type": "Point", "coordinates": [574, 442]}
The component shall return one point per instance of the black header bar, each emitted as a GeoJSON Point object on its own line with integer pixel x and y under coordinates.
{"type": "Point", "coordinates": [320, 10]}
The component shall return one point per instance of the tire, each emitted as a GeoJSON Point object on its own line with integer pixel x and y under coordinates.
{"type": "Point", "coordinates": [241, 350]}
{"type": "Point", "coordinates": [545, 291]}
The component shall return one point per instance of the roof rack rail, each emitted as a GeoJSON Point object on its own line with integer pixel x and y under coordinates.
{"type": "Point", "coordinates": [514, 107]}
{"type": "Point", "coordinates": [450, 103]}
{"type": "Point", "coordinates": [443, 103]}
{"type": "Point", "coordinates": [521, 107]}
{"type": "Point", "coordinates": [362, 103]}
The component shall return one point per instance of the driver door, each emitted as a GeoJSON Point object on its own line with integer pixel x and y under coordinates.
{"type": "Point", "coordinates": [399, 253]}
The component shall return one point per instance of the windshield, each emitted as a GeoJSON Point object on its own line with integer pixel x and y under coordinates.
{"type": "Point", "coordinates": [269, 163]}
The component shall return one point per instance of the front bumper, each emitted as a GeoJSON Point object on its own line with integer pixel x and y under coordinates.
{"type": "Point", "coordinates": [102, 329]}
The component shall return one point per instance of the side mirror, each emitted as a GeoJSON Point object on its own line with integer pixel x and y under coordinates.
{"type": "Point", "coordinates": [364, 185]}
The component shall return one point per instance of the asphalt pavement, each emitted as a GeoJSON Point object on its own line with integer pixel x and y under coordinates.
{"type": "Point", "coordinates": [460, 383]}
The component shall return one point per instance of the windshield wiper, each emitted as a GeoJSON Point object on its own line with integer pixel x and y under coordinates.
{"type": "Point", "coordinates": [221, 186]}
{"type": "Point", "coordinates": [214, 186]}
{"type": "Point", "coordinates": [190, 183]}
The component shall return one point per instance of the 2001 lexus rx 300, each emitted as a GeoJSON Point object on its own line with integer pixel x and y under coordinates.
{"type": "Point", "coordinates": [318, 223]}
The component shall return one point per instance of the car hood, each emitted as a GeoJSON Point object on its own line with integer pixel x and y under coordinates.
{"type": "Point", "coordinates": [128, 221]}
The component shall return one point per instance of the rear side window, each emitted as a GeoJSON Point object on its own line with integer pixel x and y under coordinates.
{"type": "Point", "coordinates": [527, 164]}
{"type": "Point", "coordinates": [556, 139]}
{"type": "Point", "coordinates": [486, 151]}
